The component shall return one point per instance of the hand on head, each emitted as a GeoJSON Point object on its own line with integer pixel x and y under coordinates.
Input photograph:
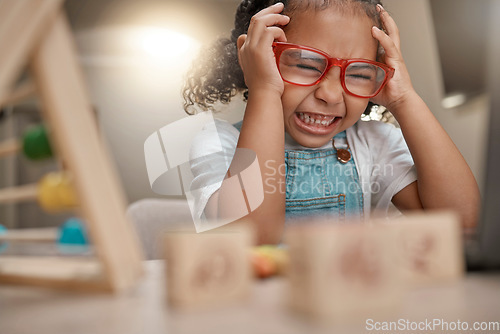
{"type": "Point", "coordinates": [399, 87]}
{"type": "Point", "coordinates": [255, 52]}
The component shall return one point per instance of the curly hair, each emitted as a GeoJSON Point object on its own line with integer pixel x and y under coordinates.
{"type": "Point", "coordinates": [216, 75]}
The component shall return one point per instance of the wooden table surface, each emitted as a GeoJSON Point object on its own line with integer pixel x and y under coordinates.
{"type": "Point", "coordinates": [476, 298]}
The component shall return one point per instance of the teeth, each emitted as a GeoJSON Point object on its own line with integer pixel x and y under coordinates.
{"type": "Point", "coordinates": [316, 119]}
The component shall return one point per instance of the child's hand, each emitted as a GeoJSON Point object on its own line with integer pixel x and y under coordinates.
{"type": "Point", "coordinates": [399, 88]}
{"type": "Point", "coordinates": [255, 51]}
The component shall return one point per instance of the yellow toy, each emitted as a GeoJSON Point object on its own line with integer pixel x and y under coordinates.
{"type": "Point", "coordinates": [269, 260]}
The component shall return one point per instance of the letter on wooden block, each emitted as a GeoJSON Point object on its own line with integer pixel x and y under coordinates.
{"type": "Point", "coordinates": [209, 268]}
{"type": "Point", "coordinates": [343, 270]}
{"type": "Point", "coordinates": [430, 248]}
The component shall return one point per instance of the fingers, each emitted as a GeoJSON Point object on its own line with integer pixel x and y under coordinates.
{"type": "Point", "coordinates": [255, 52]}
{"type": "Point", "coordinates": [390, 48]}
{"type": "Point", "coordinates": [389, 25]}
{"type": "Point", "coordinates": [276, 34]}
{"type": "Point", "coordinates": [264, 25]}
{"type": "Point", "coordinates": [239, 43]}
{"type": "Point", "coordinates": [259, 22]}
{"type": "Point", "coordinates": [390, 41]}
{"type": "Point", "coordinates": [260, 26]}
{"type": "Point", "coordinates": [270, 16]}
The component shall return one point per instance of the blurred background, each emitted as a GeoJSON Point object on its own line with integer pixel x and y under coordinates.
{"type": "Point", "coordinates": [134, 55]}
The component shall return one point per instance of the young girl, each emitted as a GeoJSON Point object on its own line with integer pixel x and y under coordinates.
{"type": "Point", "coordinates": [308, 69]}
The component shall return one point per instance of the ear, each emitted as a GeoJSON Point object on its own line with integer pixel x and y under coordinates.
{"type": "Point", "coordinates": [239, 43]}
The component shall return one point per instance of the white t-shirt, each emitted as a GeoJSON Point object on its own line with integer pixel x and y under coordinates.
{"type": "Point", "coordinates": [383, 161]}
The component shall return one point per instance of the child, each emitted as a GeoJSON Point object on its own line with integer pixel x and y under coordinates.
{"type": "Point", "coordinates": [308, 69]}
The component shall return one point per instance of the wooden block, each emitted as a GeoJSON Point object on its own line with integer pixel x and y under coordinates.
{"type": "Point", "coordinates": [338, 272]}
{"type": "Point", "coordinates": [430, 248]}
{"type": "Point", "coordinates": [208, 269]}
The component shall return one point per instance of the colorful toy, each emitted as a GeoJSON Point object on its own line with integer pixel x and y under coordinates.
{"type": "Point", "coordinates": [35, 144]}
{"type": "Point", "coordinates": [37, 35]}
{"type": "Point", "coordinates": [71, 237]}
{"type": "Point", "coordinates": [269, 260]}
{"type": "Point", "coordinates": [3, 231]}
{"type": "Point", "coordinates": [54, 193]}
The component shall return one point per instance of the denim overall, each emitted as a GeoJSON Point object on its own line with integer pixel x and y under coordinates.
{"type": "Point", "coordinates": [319, 185]}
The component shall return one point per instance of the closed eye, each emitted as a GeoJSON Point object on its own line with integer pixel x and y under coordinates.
{"type": "Point", "coordinates": [306, 67]}
{"type": "Point", "coordinates": [360, 76]}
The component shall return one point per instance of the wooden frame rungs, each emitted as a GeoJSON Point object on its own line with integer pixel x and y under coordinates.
{"type": "Point", "coordinates": [31, 235]}
{"type": "Point", "coordinates": [22, 25]}
{"type": "Point", "coordinates": [62, 272]}
{"type": "Point", "coordinates": [35, 33]}
{"type": "Point", "coordinates": [28, 192]}
{"type": "Point", "coordinates": [22, 92]}
{"type": "Point", "coordinates": [9, 147]}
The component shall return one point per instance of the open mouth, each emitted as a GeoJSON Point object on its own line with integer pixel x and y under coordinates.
{"type": "Point", "coordinates": [316, 123]}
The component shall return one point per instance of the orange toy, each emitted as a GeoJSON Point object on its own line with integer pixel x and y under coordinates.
{"type": "Point", "coordinates": [269, 260]}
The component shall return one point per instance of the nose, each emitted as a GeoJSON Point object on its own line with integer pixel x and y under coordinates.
{"type": "Point", "coordinates": [329, 89]}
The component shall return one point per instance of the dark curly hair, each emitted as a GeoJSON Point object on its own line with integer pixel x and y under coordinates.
{"type": "Point", "coordinates": [216, 75]}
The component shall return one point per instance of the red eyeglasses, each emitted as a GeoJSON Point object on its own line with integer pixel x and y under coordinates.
{"type": "Point", "coordinates": [305, 66]}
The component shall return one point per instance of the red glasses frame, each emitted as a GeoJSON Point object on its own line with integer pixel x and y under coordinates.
{"type": "Point", "coordinates": [279, 47]}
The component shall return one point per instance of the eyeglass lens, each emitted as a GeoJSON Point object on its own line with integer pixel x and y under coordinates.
{"type": "Point", "coordinates": [305, 67]}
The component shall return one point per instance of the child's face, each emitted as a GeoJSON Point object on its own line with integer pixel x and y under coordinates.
{"type": "Point", "coordinates": [342, 36]}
